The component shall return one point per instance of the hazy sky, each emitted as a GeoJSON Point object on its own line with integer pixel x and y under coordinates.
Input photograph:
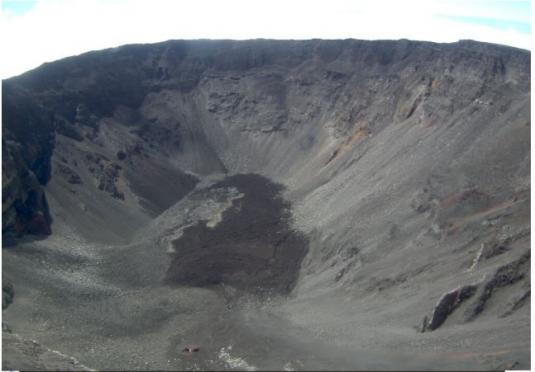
{"type": "Point", "coordinates": [34, 32]}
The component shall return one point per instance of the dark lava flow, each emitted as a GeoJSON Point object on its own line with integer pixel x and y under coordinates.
{"type": "Point", "coordinates": [253, 248]}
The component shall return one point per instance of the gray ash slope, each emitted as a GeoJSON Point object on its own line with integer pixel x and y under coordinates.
{"type": "Point", "coordinates": [396, 173]}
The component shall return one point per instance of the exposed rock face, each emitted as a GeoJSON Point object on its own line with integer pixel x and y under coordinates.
{"type": "Point", "coordinates": [448, 303]}
{"type": "Point", "coordinates": [72, 96]}
{"type": "Point", "coordinates": [505, 275]}
{"type": "Point", "coordinates": [405, 172]}
{"type": "Point", "coordinates": [28, 142]}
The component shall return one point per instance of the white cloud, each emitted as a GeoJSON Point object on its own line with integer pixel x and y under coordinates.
{"type": "Point", "coordinates": [53, 29]}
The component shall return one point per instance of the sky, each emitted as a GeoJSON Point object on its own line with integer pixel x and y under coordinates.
{"type": "Point", "coordinates": [36, 31]}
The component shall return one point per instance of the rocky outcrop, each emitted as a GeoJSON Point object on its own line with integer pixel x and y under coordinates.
{"type": "Point", "coordinates": [447, 304]}
{"type": "Point", "coordinates": [7, 293]}
{"type": "Point", "coordinates": [106, 174]}
{"type": "Point", "coordinates": [24, 205]}
{"type": "Point", "coordinates": [28, 141]}
{"type": "Point", "coordinates": [107, 180]}
{"type": "Point", "coordinates": [504, 276]}
{"type": "Point", "coordinates": [68, 174]}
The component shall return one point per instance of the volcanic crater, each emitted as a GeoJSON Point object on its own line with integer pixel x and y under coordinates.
{"type": "Point", "coordinates": [297, 205]}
